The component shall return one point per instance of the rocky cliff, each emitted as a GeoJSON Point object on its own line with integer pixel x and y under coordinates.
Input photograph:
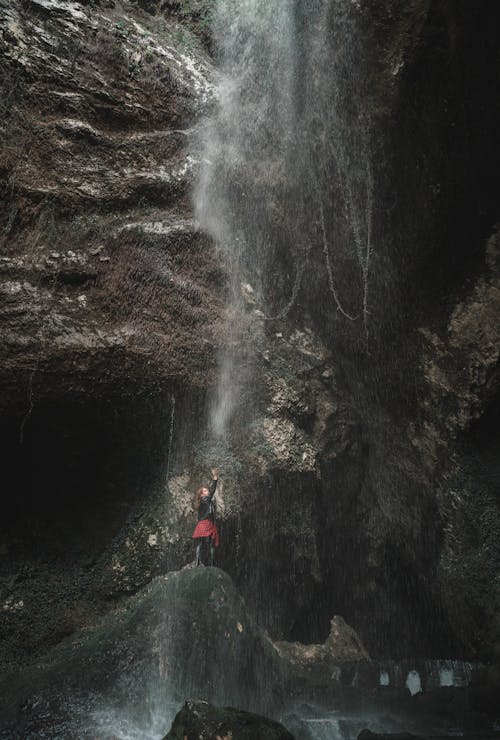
{"type": "Point", "coordinates": [111, 300]}
{"type": "Point", "coordinates": [364, 464]}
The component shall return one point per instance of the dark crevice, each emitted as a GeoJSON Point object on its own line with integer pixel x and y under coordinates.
{"type": "Point", "coordinates": [446, 157]}
{"type": "Point", "coordinates": [78, 471]}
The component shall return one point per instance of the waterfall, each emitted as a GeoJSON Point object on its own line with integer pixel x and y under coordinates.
{"type": "Point", "coordinates": [286, 164]}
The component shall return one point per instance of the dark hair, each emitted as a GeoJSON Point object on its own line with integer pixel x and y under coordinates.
{"type": "Point", "coordinates": [198, 497]}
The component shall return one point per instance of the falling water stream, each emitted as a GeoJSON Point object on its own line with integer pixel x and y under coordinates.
{"type": "Point", "coordinates": [291, 135]}
{"type": "Point", "coordinates": [287, 161]}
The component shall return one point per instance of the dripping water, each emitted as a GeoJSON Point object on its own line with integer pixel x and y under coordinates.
{"type": "Point", "coordinates": [170, 436]}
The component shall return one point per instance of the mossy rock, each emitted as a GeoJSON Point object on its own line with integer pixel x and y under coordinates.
{"type": "Point", "coordinates": [188, 633]}
{"type": "Point", "coordinates": [202, 720]}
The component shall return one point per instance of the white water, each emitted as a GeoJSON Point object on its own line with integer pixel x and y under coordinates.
{"type": "Point", "coordinates": [308, 722]}
{"type": "Point", "coordinates": [286, 162]}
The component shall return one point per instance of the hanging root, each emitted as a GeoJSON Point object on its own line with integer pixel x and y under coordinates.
{"type": "Point", "coordinates": [329, 267]}
{"type": "Point", "coordinates": [170, 435]}
{"type": "Point", "coordinates": [295, 290]}
{"type": "Point", "coordinates": [368, 248]}
{"type": "Point", "coordinates": [31, 404]}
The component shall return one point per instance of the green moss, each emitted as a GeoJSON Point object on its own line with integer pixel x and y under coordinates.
{"type": "Point", "coordinates": [199, 584]}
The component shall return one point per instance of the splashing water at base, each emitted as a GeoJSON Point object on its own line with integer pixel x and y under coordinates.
{"type": "Point", "coordinates": [106, 724]}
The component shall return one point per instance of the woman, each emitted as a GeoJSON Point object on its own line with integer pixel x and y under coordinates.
{"type": "Point", "coordinates": [206, 531]}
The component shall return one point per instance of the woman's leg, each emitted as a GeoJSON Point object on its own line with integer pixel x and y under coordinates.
{"type": "Point", "coordinates": [198, 541]}
{"type": "Point", "coordinates": [212, 550]}
{"type": "Point", "coordinates": [206, 551]}
{"type": "Point", "coordinates": [204, 554]}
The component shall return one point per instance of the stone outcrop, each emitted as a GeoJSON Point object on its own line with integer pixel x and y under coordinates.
{"type": "Point", "coordinates": [342, 644]}
{"type": "Point", "coordinates": [188, 633]}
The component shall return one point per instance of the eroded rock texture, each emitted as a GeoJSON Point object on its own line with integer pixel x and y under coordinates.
{"type": "Point", "coordinates": [364, 464]}
{"type": "Point", "coordinates": [426, 391]}
{"type": "Point", "coordinates": [190, 633]}
{"type": "Point", "coordinates": [375, 400]}
{"type": "Point", "coordinates": [110, 300]}
{"type": "Point", "coordinates": [406, 397]}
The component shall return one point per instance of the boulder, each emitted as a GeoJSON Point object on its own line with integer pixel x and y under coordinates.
{"type": "Point", "coordinates": [342, 644]}
{"type": "Point", "coordinates": [187, 633]}
{"type": "Point", "coordinates": [202, 720]}
{"type": "Point", "coordinates": [329, 665]}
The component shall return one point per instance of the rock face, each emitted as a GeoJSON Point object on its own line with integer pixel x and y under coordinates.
{"type": "Point", "coordinates": [407, 462]}
{"type": "Point", "coordinates": [110, 301]}
{"type": "Point", "coordinates": [95, 171]}
{"type": "Point", "coordinates": [188, 633]}
{"type": "Point", "coordinates": [342, 644]}
{"type": "Point", "coordinates": [199, 719]}
{"type": "Point", "coordinates": [364, 464]}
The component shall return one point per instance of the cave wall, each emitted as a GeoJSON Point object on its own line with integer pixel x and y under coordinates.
{"type": "Point", "coordinates": [108, 314]}
{"type": "Point", "coordinates": [405, 387]}
{"type": "Point", "coordinates": [429, 368]}
{"type": "Point", "coordinates": [366, 471]}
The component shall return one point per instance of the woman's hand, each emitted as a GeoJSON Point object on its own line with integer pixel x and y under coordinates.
{"type": "Point", "coordinates": [215, 473]}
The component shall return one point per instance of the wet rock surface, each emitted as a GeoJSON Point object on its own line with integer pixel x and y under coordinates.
{"type": "Point", "coordinates": [201, 720]}
{"type": "Point", "coordinates": [98, 105]}
{"type": "Point", "coordinates": [110, 303]}
{"type": "Point", "coordinates": [339, 658]}
{"type": "Point", "coordinates": [188, 633]}
{"type": "Point", "coordinates": [364, 469]}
